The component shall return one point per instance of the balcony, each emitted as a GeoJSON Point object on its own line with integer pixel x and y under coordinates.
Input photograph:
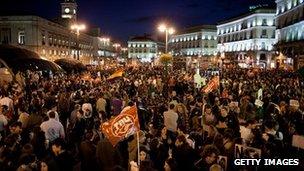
{"type": "Point", "coordinates": [264, 36]}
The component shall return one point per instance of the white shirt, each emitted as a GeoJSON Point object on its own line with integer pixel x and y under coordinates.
{"type": "Point", "coordinates": [170, 120]}
{"type": "Point", "coordinates": [53, 129]}
{"type": "Point", "coordinates": [101, 104]}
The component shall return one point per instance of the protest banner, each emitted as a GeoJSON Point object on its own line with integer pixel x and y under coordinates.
{"type": "Point", "coordinates": [223, 162]}
{"type": "Point", "coordinates": [298, 141]}
{"type": "Point", "coordinates": [242, 151]}
{"type": "Point", "coordinates": [213, 84]}
{"type": "Point", "coordinates": [122, 126]}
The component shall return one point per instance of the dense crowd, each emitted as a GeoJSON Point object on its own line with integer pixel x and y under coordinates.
{"type": "Point", "coordinates": [52, 122]}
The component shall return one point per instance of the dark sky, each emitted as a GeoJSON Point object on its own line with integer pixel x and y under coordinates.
{"type": "Point", "coordinates": [124, 18]}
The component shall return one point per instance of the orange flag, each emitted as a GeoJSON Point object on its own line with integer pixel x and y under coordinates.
{"type": "Point", "coordinates": [213, 84]}
{"type": "Point", "coordinates": [122, 126]}
{"type": "Point", "coordinates": [116, 74]}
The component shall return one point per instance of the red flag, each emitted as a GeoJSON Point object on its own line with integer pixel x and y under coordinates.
{"type": "Point", "coordinates": [122, 126]}
{"type": "Point", "coordinates": [213, 84]}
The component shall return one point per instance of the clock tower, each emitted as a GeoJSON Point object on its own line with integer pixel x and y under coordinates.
{"type": "Point", "coordinates": [69, 10]}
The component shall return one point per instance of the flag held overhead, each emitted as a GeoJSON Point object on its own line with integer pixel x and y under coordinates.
{"type": "Point", "coordinates": [213, 84]}
{"type": "Point", "coordinates": [122, 126]}
{"type": "Point", "coordinates": [116, 74]}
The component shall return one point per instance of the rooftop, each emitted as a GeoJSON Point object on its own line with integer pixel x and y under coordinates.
{"type": "Point", "coordinates": [255, 11]}
{"type": "Point", "coordinates": [197, 29]}
{"type": "Point", "coordinates": [142, 39]}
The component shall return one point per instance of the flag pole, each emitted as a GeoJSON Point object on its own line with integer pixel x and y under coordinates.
{"type": "Point", "coordinates": [138, 157]}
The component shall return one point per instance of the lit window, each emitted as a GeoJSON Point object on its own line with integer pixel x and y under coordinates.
{"type": "Point", "coordinates": [289, 5]}
{"type": "Point", "coordinates": [21, 37]}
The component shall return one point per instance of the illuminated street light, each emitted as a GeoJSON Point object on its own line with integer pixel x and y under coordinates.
{"type": "Point", "coordinates": [78, 28]}
{"type": "Point", "coordinates": [168, 31]}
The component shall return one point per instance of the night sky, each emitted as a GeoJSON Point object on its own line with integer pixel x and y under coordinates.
{"type": "Point", "coordinates": [124, 18]}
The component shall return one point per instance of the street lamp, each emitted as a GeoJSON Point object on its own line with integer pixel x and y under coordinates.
{"type": "Point", "coordinates": [168, 31]}
{"type": "Point", "coordinates": [78, 28]}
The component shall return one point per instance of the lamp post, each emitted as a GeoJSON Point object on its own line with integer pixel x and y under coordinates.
{"type": "Point", "coordinates": [77, 28]}
{"type": "Point", "coordinates": [168, 31]}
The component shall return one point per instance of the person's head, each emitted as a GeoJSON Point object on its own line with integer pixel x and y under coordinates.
{"type": "Point", "coordinates": [171, 106]}
{"type": "Point", "coordinates": [216, 167]}
{"type": "Point", "coordinates": [27, 149]}
{"type": "Point", "coordinates": [16, 128]}
{"type": "Point", "coordinates": [43, 166]}
{"type": "Point", "coordinates": [210, 154]}
{"type": "Point", "coordinates": [77, 107]}
{"type": "Point", "coordinates": [180, 109]}
{"type": "Point", "coordinates": [208, 109]}
{"type": "Point", "coordinates": [52, 115]}
{"type": "Point", "coordinates": [143, 154]}
{"type": "Point", "coordinates": [224, 111]}
{"type": "Point", "coordinates": [170, 165]}
{"type": "Point", "coordinates": [88, 135]}
{"type": "Point", "coordinates": [58, 146]}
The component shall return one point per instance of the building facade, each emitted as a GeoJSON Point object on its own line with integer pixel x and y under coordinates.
{"type": "Point", "coordinates": [249, 38]}
{"type": "Point", "coordinates": [143, 48]}
{"type": "Point", "coordinates": [53, 40]}
{"type": "Point", "coordinates": [199, 41]}
{"type": "Point", "coordinates": [290, 32]}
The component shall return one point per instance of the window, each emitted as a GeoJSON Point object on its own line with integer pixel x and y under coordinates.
{"type": "Point", "coordinates": [264, 33]}
{"type": "Point", "coordinates": [43, 39]}
{"type": "Point", "coordinates": [263, 57]}
{"type": "Point", "coordinates": [264, 22]}
{"type": "Point", "coordinates": [5, 36]}
{"type": "Point", "coordinates": [263, 46]}
{"type": "Point", "coordinates": [21, 37]}
{"type": "Point", "coordinates": [206, 45]}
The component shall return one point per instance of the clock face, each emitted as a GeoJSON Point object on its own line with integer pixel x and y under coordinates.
{"type": "Point", "coordinates": [67, 10]}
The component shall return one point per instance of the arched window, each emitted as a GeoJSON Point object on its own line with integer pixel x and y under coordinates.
{"type": "Point", "coordinates": [21, 37]}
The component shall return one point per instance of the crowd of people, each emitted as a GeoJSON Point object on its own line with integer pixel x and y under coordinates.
{"type": "Point", "coordinates": [53, 122]}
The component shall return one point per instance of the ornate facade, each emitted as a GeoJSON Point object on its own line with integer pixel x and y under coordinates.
{"type": "Point", "coordinates": [249, 39]}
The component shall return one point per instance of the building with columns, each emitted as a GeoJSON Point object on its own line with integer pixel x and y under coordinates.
{"type": "Point", "coordinates": [144, 48]}
{"type": "Point", "coordinates": [290, 32]}
{"type": "Point", "coordinates": [198, 41]}
{"type": "Point", "coordinates": [249, 39]}
{"type": "Point", "coordinates": [53, 39]}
